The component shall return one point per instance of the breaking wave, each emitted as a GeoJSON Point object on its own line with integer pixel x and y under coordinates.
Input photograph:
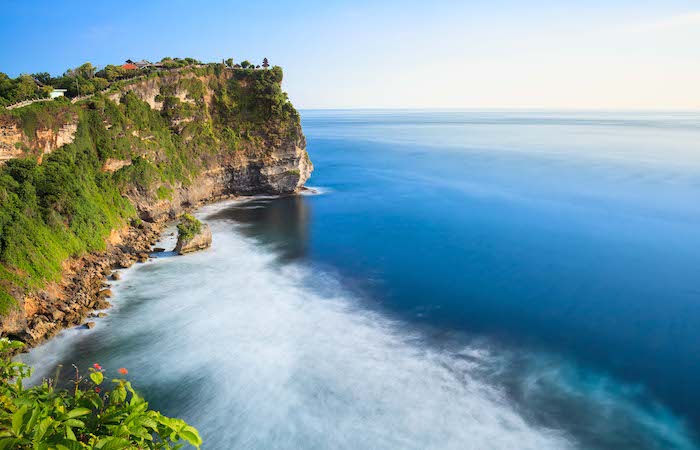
{"type": "Point", "coordinates": [260, 354]}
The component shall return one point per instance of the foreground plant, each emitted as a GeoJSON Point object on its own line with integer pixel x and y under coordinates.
{"type": "Point", "coordinates": [88, 416]}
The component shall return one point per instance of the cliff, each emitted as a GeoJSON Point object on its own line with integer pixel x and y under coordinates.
{"type": "Point", "coordinates": [31, 134]}
{"type": "Point", "coordinates": [84, 187]}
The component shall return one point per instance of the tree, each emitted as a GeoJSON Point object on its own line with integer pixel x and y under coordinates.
{"type": "Point", "coordinates": [87, 70]}
{"type": "Point", "coordinates": [229, 62]}
{"type": "Point", "coordinates": [6, 89]}
{"type": "Point", "coordinates": [245, 64]}
{"type": "Point", "coordinates": [25, 88]}
{"type": "Point", "coordinates": [111, 72]}
{"type": "Point", "coordinates": [265, 64]}
{"type": "Point", "coordinates": [43, 77]}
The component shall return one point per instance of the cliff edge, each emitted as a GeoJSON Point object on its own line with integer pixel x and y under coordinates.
{"type": "Point", "coordinates": [85, 186]}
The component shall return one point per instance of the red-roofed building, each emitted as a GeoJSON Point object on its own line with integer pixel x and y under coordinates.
{"type": "Point", "coordinates": [129, 66]}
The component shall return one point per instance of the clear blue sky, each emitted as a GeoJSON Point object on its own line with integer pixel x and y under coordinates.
{"type": "Point", "coordinates": [436, 53]}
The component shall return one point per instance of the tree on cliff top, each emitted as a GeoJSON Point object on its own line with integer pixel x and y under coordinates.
{"type": "Point", "coordinates": [265, 63]}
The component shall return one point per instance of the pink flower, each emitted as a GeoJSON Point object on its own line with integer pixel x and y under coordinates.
{"type": "Point", "coordinates": [97, 366]}
{"type": "Point", "coordinates": [123, 371]}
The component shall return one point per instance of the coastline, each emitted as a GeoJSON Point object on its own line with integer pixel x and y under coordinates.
{"type": "Point", "coordinates": [85, 283]}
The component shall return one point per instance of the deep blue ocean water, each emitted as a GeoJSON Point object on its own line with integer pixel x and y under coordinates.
{"type": "Point", "coordinates": [459, 280]}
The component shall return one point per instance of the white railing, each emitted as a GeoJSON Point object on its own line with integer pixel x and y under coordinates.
{"type": "Point", "coordinates": [84, 97]}
{"type": "Point", "coordinates": [28, 102]}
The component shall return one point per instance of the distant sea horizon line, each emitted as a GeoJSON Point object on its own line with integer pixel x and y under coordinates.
{"type": "Point", "coordinates": [506, 109]}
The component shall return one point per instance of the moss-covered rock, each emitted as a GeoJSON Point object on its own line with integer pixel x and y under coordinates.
{"type": "Point", "coordinates": [192, 235]}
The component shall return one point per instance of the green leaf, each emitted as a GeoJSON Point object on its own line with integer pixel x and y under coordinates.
{"type": "Point", "coordinates": [77, 412]}
{"type": "Point", "coordinates": [70, 445]}
{"type": "Point", "coordinates": [42, 428]}
{"type": "Point", "coordinates": [32, 419]}
{"type": "Point", "coordinates": [113, 443]}
{"type": "Point", "coordinates": [147, 422]}
{"type": "Point", "coordinates": [97, 377]}
{"type": "Point", "coordinates": [9, 443]}
{"type": "Point", "coordinates": [18, 420]}
{"type": "Point", "coordinates": [69, 434]}
{"type": "Point", "coordinates": [74, 423]}
{"type": "Point", "coordinates": [118, 395]}
{"type": "Point", "coordinates": [191, 435]}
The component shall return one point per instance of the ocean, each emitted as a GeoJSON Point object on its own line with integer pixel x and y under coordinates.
{"type": "Point", "coordinates": [452, 279]}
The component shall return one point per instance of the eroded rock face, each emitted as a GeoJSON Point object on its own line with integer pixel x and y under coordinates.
{"type": "Point", "coordinates": [199, 241]}
{"type": "Point", "coordinates": [14, 143]}
{"type": "Point", "coordinates": [274, 162]}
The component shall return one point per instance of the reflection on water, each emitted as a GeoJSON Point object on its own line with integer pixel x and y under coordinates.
{"type": "Point", "coordinates": [282, 223]}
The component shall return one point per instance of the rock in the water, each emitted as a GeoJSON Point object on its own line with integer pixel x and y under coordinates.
{"type": "Point", "coordinates": [158, 250]}
{"type": "Point", "coordinates": [89, 325]}
{"type": "Point", "coordinates": [115, 276]}
{"type": "Point", "coordinates": [105, 293]}
{"type": "Point", "coordinates": [143, 257]}
{"type": "Point", "coordinates": [192, 235]}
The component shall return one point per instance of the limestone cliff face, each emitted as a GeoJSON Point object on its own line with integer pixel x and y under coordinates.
{"type": "Point", "coordinates": [273, 163]}
{"type": "Point", "coordinates": [167, 143]}
{"type": "Point", "coordinates": [16, 143]}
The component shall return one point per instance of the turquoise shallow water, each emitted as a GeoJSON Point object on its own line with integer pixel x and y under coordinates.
{"type": "Point", "coordinates": [461, 280]}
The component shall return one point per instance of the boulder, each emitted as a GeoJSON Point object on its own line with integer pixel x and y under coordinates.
{"type": "Point", "coordinates": [158, 250]}
{"type": "Point", "coordinates": [125, 262]}
{"type": "Point", "coordinates": [89, 325]}
{"type": "Point", "coordinates": [199, 241]}
{"type": "Point", "coordinates": [115, 276]}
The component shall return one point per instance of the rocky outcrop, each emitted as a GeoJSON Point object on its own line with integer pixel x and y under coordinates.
{"type": "Point", "coordinates": [113, 164]}
{"type": "Point", "coordinates": [199, 241]}
{"type": "Point", "coordinates": [15, 143]}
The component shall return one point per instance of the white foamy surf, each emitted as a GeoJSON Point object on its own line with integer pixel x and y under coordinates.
{"type": "Point", "coordinates": [259, 354]}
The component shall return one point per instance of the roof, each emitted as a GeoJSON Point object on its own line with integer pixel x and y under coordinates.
{"type": "Point", "coordinates": [129, 66]}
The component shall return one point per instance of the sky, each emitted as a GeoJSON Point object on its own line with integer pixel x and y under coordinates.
{"type": "Point", "coordinates": [567, 54]}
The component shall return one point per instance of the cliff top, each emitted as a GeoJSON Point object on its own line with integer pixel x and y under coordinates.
{"type": "Point", "coordinates": [87, 79]}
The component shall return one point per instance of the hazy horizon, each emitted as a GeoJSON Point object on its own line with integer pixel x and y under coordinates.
{"type": "Point", "coordinates": [513, 55]}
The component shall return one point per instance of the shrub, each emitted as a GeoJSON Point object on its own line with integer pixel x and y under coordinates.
{"type": "Point", "coordinates": [188, 227]}
{"type": "Point", "coordinates": [89, 415]}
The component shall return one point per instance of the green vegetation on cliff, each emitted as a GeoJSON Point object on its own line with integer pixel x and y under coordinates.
{"type": "Point", "coordinates": [50, 211]}
{"type": "Point", "coordinates": [80, 81]}
{"type": "Point", "coordinates": [188, 227]}
{"type": "Point", "coordinates": [69, 203]}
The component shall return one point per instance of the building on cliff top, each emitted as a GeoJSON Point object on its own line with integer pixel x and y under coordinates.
{"type": "Point", "coordinates": [143, 64]}
{"type": "Point", "coordinates": [58, 93]}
